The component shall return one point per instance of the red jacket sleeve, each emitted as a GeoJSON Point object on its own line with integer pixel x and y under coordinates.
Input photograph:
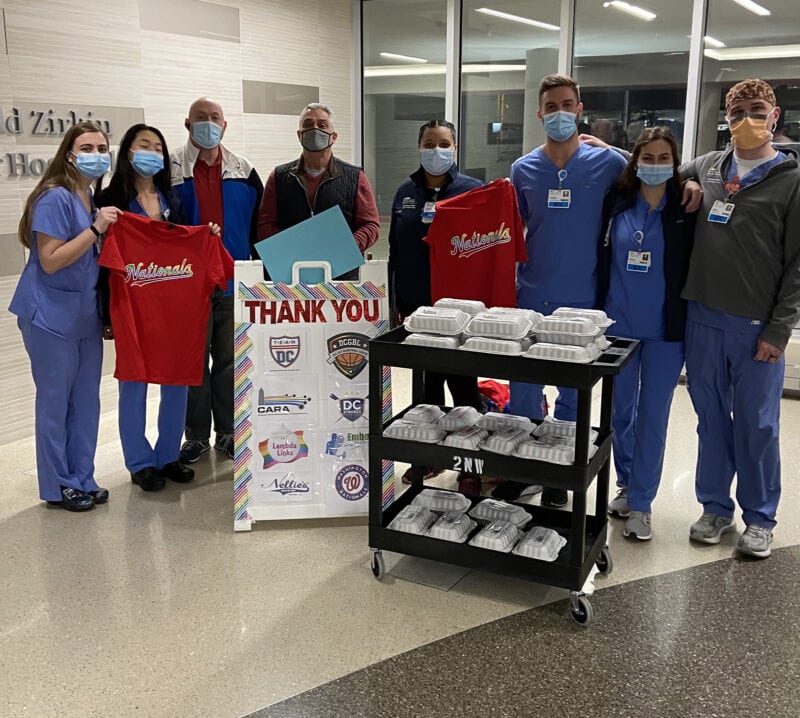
{"type": "Point", "coordinates": [365, 215]}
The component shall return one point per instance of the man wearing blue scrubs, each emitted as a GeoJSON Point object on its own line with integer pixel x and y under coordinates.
{"type": "Point", "coordinates": [744, 299]}
{"type": "Point", "coordinates": [560, 188]}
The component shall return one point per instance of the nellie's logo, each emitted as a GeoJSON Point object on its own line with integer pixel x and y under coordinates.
{"type": "Point", "coordinates": [140, 274]}
{"type": "Point", "coordinates": [288, 485]}
{"type": "Point", "coordinates": [284, 350]}
{"type": "Point", "coordinates": [465, 247]}
{"type": "Point", "coordinates": [349, 353]}
{"type": "Point", "coordinates": [283, 447]}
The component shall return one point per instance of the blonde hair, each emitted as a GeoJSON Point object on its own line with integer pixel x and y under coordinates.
{"type": "Point", "coordinates": [59, 173]}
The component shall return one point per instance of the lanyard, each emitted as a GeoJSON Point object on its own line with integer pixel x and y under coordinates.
{"type": "Point", "coordinates": [562, 175]}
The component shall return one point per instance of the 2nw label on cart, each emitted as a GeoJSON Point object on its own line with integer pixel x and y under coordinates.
{"type": "Point", "coordinates": [468, 464]}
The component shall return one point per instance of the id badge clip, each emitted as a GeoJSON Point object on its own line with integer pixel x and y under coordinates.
{"type": "Point", "coordinates": [638, 261]}
{"type": "Point", "coordinates": [428, 212]}
{"type": "Point", "coordinates": [559, 198]}
{"type": "Point", "coordinates": [721, 212]}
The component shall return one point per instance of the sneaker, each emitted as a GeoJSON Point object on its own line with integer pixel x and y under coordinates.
{"type": "Point", "coordinates": [225, 444]}
{"type": "Point", "coordinates": [193, 449]}
{"type": "Point", "coordinates": [710, 527]}
{"type": "Point", "coordinates": [638, 526]}
{"type": "Point", "coordinates": [755, 541]}
{"type": "Point", "coordinates": [618, 506]}
{"type": "Point", "coordinates": [554, 498]}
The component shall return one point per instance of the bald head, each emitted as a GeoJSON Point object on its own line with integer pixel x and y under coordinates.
{"type": "Point", "coordinates": [204, 109]}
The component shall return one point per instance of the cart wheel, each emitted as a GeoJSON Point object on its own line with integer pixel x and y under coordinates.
{"type": "Point", "coordinates": [581, 610]}
{"type": "Point", "coordinates": [377, 565]}
{"type": "Point", "coordinates": [604, 563]}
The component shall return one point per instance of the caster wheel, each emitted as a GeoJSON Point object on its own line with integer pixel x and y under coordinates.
{"type": "Point", "coordinates": [581, 610]}
{"type": "Point", "coordinates": [377, 565]}
{"type": "Point", "coordinates": [604, 563]}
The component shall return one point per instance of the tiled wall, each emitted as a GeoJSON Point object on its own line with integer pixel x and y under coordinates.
{"type": "Point", "coordinates": [148, 60]}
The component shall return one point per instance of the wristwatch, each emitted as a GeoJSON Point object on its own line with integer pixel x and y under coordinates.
{"type": "Point", "coordinates": [95, 231]}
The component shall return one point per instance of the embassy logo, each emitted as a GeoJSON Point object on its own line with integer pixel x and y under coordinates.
{"type": "Point", "coordinates": [351, 407]}
{"type": "Point", "coordinates": [349, 353]}
{"type": "Point", "coordinates": [284, 350]}
{"type": "Point", "coordinates": [334, 444]}
{"type": "Point", "coordinates": [288, 485]}
{"type": "Point", "coordinates": [283, 447]}
{"type": "Point", "coordinates": [138, 274]}
{"type": "Point", "coordinates": [465, 247]}
{"type": "Point", "coordinates": [269, 405]}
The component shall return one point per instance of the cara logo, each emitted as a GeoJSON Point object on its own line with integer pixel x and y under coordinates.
{"type": "Point", "coordinates": [349, 353]}
{"type": "Point", "coordinates": [281, 403]}
{"type": "Point", "coordinates": [284, 350]}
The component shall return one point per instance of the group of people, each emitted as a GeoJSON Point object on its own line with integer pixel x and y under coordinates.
{"type": "Point", "coordinates": [65, 304]}
{"type": "Point", "coordinates": [698, 261]}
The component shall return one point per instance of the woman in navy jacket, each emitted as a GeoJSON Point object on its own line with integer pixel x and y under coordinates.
{"type": "Point", "coordinates": [413, 209]}
{"type": "Point", "coordinates": [644, 260]}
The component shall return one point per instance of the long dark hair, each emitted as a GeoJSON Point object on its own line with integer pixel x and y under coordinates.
{"type": "Point", "coordinates": [122, 186]}
{"type": "Point", "coordinates": [629, 180]}
{"type": "Point", "coordinates": [59, 173]}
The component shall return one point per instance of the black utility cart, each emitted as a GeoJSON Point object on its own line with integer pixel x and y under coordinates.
{"type": "Point", "coordinates": [586, 534]}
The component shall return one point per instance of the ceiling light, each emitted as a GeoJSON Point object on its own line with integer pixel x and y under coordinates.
{"type": "Point", "coordinates": [416, 70]}
{"type": "Point", "coordinates": [762, 52]}
{"type": "Point", "coordinates": [402, 58]}
{"type": "Point", "coordinates": [713, 42]}
{"type": "Point", "coordinates": [634, 10]}
{"type": "Point", "coordinates": [517, 18]}
{"type": "Point", "coordinates": [753, 7]}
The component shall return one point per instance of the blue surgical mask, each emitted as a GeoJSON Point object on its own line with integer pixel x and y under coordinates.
{"type": "Point", "coordinates": [92, 164]}
{"type": "Point", "coordinates": [206, 134]}
{"type": "Point", "coordinates": [654, 174]}
{"type": "Point", "coordinates": [560, 125]}
{"type": "Point", "coordinates": [437, 160]}
{"type": "Point", "coordinates": [147, 163]}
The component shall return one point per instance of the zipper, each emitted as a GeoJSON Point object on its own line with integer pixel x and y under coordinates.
{"type": "Point", "coordinates": [305, 192]}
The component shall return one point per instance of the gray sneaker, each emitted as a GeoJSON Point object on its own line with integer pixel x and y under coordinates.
{"type": "Point", "coordinates": [618, 506]}
{"type": "Point", "coordinates": [638, 526]}
{"type": "Point", "coordinates": [710, 527]}
{"type": "Point", "coordinates": [755, 541]}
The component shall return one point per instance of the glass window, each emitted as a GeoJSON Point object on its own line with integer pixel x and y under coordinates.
{"type": "Point", "coordinates": [404, 86]}
{"type": "Point", "coordinates": [743, 44]}
{"type": "Point", "coordinates": [632, 68]}
{"type": "Point", "coordinates": [507, 47]}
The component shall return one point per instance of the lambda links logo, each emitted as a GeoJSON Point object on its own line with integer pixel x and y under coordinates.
{"type": "Point", "coordinates": [352, 482]}
{"type": "Point", "coordinates": [349, 353]}
{"type": "Point", "coordinates": [283, 447]}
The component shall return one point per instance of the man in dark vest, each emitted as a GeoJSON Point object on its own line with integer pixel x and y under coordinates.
{"type": "Point", "coordinates": [318, 181]}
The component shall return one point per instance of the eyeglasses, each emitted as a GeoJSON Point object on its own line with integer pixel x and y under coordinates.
{"type": "Point", "coordinates": [736, 117]}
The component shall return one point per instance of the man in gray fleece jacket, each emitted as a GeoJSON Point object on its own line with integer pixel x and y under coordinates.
{"type": "Point", "coordinates": [743, 291]}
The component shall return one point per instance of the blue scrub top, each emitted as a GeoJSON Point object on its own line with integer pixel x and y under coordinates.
{"type": "Point", "coordinates": [562, 243]}
{"type": "Point", "coordinates": [135, 207]}
{"type": "Point", "coordinates": [65, 302]}
{"type": "Point", "coordinates": [636, 299]}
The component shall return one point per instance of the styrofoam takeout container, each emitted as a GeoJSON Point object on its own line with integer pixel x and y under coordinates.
{"type": "Point", "coordinates": [496, 421]}
{"type": "Point", "coordinates": [423, 414]}
{"type": "Point", "coordinates": [470, 306]}
{"type": "Point", "coordinates": [409, 431]}
{"type": "Point", "coordinates": [469, 438]}
{"type": "Point", "coordinates": [459, 417]}
{"type": "Point", "coordinates": [559, 428]}
{"type": "Point", "coordinates": [413, 520]}
{"type": "Point", "coordinates": [452, 526]}
{"type": "Point", "coordinates": [437, 320]}
{"type": "Point", "coordinates": [440, 341]}
{"type": "Point", "coordinates": [530, 314]}
{"type": "Point", "coordinates": [489, 345]}
{"type": "Point", "coordinates": [541, 543]}
{"type": "Point", "coordinates": [441, 501]}
{"type": "Point", "coordinates": [562, 352]}
{"type": "Point", "coordinates": [550, 449]}
{"type": "Point", "coordinates": [497, 536]}
{"type": "Point", "coordinates": [498, 326]}
{"type": "Point", "coordinates": [505, 440]}
{"type": "Point", "coordinates": [597, 316]}
{"type": "Point", "coordinates": [489, 510]}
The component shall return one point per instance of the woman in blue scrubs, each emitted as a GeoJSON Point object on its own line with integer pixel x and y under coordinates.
{"type": "Point", "coordinates": [141, 184]}
{"type": "Point", "coordinates": [644, 260]}
{"type": "Point", "coordinates": [57, 312]}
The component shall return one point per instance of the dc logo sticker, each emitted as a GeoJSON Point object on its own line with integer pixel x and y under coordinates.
{"type": "Point", "coordinates": [350, 408]}
{"type": "Point", "coordinates": [284, 350]}
{"type": "Point", "coordinates": [349, 353]}
{"type": "Point", "coordinates": [352, 482]}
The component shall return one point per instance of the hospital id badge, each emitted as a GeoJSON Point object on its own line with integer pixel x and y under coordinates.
{"type": "Point", "coordinates": [559, 198]}
{"type": "Point", "coordinates": [638, 261]}
{"type": "Point", "coordinates": [721, 212]}
{"type": "Point", "coordinates": [428, 212]}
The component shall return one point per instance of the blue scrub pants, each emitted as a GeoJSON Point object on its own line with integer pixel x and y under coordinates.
{"type": "Point", "coordinates": [66, 373]}
{"type": "Point", "coordinates": [136, 449]}
{"type": "Point", "coordinates": [642, 398]}
{"type": "Point", "coordinates": [737, 401]}
{"type": "Point", "coordinates": [528, 399]}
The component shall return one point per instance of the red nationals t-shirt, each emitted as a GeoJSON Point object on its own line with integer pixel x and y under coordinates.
{"type": "Point", "coordinates": [475, 241]}
{"type": "Point", "coordinates": [161, 279]}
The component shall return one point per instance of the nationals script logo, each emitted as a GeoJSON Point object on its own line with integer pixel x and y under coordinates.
{"type": "Point", "coordinates": [465, 247]}
{"type": "Point", "coordinates": [140, 274]}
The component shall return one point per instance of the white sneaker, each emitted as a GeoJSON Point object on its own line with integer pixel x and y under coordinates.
{"type": "Point", "coordinates": [618, 506]}
{"type": "Point", "coordinates": [638, 526]}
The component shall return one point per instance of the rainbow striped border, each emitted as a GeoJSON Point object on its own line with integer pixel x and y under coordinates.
{"type": "Point", "coordinates": [387, 467]}
{"type": "Point", "coordinates": [242, 424]}
{"type": "Point", "coordinates": [338, 290]}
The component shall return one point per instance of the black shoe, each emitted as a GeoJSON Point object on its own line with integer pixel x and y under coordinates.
{"type": "Point", "coordinates": [554, 498]}
{"type": "Point", "coordinates": [508, 490]}
{"type": "Point", "coordinates": [74, 500]}
{"type": "Point", "coordinates": [99, 495]}
{"type": "Point", "coordinates": [177, 472]}
{"type": "Point", "coordinates": [148, 479]}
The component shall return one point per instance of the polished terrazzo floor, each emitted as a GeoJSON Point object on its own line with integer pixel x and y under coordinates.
{"type": "Point", "coordinates": [152, 606]}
